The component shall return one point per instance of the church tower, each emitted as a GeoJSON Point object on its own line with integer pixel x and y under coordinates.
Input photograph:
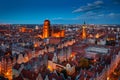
{"type": "Point", "coordinates": [46, 29]}
{"type": "Point", "coordinates": [84, 33]}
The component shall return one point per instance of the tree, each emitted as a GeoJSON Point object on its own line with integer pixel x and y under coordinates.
{"type": "Point", "coordinates": [64, 73]}
{"type": "Point", "coordinates": [84, 63]}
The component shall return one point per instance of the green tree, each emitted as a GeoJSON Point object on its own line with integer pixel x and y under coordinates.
{"type": "Point", "coordinates": [84, 63]}
{"type": "Point", "coordinates": [64, 73]}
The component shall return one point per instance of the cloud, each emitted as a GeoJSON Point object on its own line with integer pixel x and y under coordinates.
{"type": "Point", "coordinates": [90, 13]}
{"type": "Point", "coordinates": [58, 18]}
{"type": "Point", "coordinates": [101, 15]}
{"type": "Point", "coordinates": [116, 1]}
{"type": "Point", "coordinates": [90, 6]}
{"type": "Point", "coordinates": [114, 14]}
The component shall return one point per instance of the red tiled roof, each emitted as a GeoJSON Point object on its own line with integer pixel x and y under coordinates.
{"type": "Point", "coordinates": [18, 78]}
{"type": "Point", "coordinates": [29, 74]}
{"type": "Point", "coordinates": [50, 56]}
{"type": "Point", "coordinates": [53, 75]}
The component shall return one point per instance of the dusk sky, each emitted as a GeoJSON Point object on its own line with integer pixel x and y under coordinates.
{"type": "Point", "coordinates": [60, 11]}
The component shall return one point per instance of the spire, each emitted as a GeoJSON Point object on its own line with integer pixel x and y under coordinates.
{"type": "Point", "coordinates": [84, 23]}
{"type": "Point", "coordinates": [84, 31]}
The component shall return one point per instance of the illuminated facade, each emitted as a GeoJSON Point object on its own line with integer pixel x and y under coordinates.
{"type": "Point", "coordinates": [47, 32]}
{"type": "Point", "coordinates": [6, 67]}
{"type": "Point", "coordinates": [22, 29]}
{"type": "Point", "coordinates": [46, 29]}
{"type": "Point", "coordinates": [84, 34]}
{"type": "Point", "coordinates": [25, 29]}
{"type": "Point", "coordinates": [60, 33]}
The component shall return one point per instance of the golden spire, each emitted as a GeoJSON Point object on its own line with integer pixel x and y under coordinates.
{"type": "Point", "coordinates": [84, 34]}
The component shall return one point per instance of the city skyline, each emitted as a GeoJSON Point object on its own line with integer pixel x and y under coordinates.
{"type": "Point", "coordinates": [60, 12]}
{"type": "Point", "coordinates": [61, 53]}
